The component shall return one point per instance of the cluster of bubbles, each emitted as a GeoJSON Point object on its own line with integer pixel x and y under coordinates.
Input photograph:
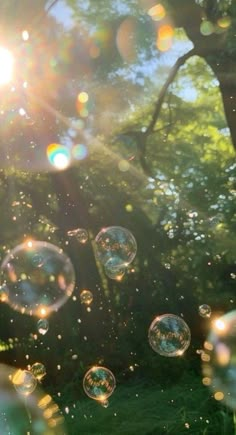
{"type": "Point", "coordinates": [99, 384]}
{"type": "Point", "coordinates": [219, 359]}
{"type": "Point", "coordinates": [116, 248]}
{"type": "Point", "coordinates": [169, 335]}
{"type": "Point", "coordinates": [37, 278]}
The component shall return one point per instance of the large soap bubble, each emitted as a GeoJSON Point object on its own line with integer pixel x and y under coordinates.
{"type": "Point", "coordinates": [39, 278]}
{"type": "Point", "coordinates": [34, 414]}
{"type": "Point", "coordinates": [219, 359]}
{"type": "Point", "coordinates": [116, 244]}
{"type": "Point", "coordinates": [169, 335]}
{"type": "Point", "coordinates": [99, 383]}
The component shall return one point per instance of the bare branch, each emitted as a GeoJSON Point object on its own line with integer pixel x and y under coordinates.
{"type": "Point", "coordinates": [180, 61]}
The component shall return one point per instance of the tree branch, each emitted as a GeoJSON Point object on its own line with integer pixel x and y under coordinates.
{"type": "Point", "coordinates": [180, 61]}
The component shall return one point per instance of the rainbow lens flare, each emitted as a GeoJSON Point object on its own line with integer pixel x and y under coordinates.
{"type": "Point", "coordinates": [58, 155]}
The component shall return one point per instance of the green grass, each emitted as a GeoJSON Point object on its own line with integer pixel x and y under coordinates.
{"type": "Point", "coordinates": [137, 408]}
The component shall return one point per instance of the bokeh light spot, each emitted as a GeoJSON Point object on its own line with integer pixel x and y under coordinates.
{"type": "Point", "coordinates": [157, 12]}
{"type": "Point", "coordinates": [83, 97]}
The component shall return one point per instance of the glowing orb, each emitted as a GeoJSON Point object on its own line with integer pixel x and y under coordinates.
{"type": "Point", "coordinates": [58, 155]}
{"type": "Point", "coordinates": [6, 66]}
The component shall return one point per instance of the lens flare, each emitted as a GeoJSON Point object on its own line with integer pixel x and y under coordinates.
{"type": "Point", "coordinates": [6, 66]}
{"type": "Point", "coordinates": [58, 155]}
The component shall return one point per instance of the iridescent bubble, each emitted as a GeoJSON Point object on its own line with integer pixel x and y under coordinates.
{"type": "Point", "coordinates": [116, 243]}
{"type": "Point", "coordinates": [38, 370]}
{"type": "Point", "coordinates": [204, 310]}
{"type": "Point", "coordinates": [86, 297]}
{"type": "Point", "coordinates": [43, 326]}
{"type": "Point", "coordinates": [99, 383]}
{"type": "Point", "coordinates": [23, 412]}
{"type": "Point", "coordinates": [113, 271]}
{"type": "Point", "coordinates": [219, 359]}
{"type": "Point", "coordinates": [24, 382]}
{"type": "Point", "coordinates": [39, 278]}
{"type": "Point", "coordinates": [169, 335]}
{"type": "Point", "coordinates": [80, 234]}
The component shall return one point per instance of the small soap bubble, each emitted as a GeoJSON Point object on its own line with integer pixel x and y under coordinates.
{"type": "Point", "coordinates": [219, 362]}
{"type": "Point", "coordinates": [204, 310]}
{"type": "Point", "coordinates": [80, 234]}
{"type": "Point", "coordinates": [86, 297]}
{"type": "Point", "coordinates": [169, 335]}
{"type": "Point", "coordinates": [104, 403]}
{"type": "Point", "coordinates": [43, 326]}
{"type": "Point", "coordinates": [38, 370]}
{"type": "Point", "coordinates": [99, 383]}
{"type": "Point", "coordinates": [39, 278]}
{"type": "Point", "coordinates": [24, 382]}
{"type": "Point", "coordinates": [117, 244]}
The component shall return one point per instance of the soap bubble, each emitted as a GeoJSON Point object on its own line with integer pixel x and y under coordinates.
{"type": "Point", "coordinates": [80, 234]}
{"type": "Point", "coordinates": [169, 335]}
{"type": "Point", "coordinates": [99, 383]}
{"type": "Point", "coordinates": [39, 278]}
{"type": "Point", "coordinates": [35, 413]}
{"type": "Point", "coordinates": [116, 243]}
{"type": "Point", "coordinates": [204, 310]}
{"type": "Point", "coordinates": [24, 382]}
{"type": "Point", "coordinates": [86, 297]}
{"type": "Point", "coordinates": [219, 359]}
{"type": "Point", "coordinates": [38, 370]}
{"type": "Point", "coordinates": [113, 271]}
{"type": "Point", "coordinates": [43, 326]}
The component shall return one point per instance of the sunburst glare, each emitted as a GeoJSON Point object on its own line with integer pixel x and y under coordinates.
{"type": "Point", "coordinates": [6, 66]}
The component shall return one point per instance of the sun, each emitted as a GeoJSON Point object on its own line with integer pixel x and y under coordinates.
{"type": "Point", "coordinates": [6, 66]}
